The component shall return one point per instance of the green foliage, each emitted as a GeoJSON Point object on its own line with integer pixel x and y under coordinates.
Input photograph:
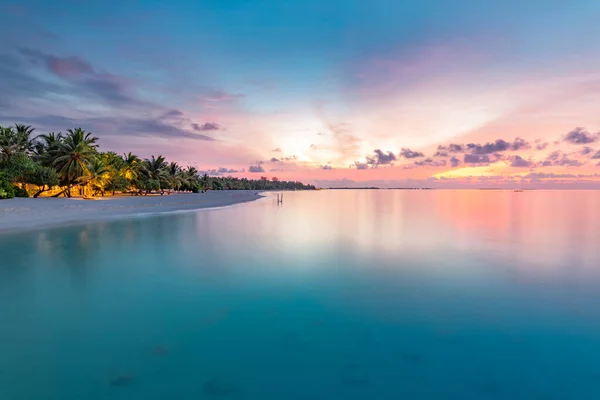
{"type": "Point", "coordinates": [19, 192]}
{"type": "Point", "coordinates": [117, 183]}
{"type": "Point", "coordinates": [7, 190]}
{"type": "Point", "coordinates": [43, 177]}
{"type": "Point", "coordinates": [18, 167]}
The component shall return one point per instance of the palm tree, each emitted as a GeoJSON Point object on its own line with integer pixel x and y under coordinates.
{"type": "Point", "coordinates": [132, 165]}
{"type": "Point", "coordinates": [25, 142]}
{"type": "Point", "coordinates": [98, 174]}
{"type": "Point", "coordinates": [154, 174]}
{"type": "Point", "coordinates": [176, 178]}
{"type": "Point", "coordinates": [205, 182]}
{"type": "Point", "coordinates": [8, 144]}
{"type": "Point", "coordinates": [46, 147]}
{"type": "Point", "coordinates": [73, 156]}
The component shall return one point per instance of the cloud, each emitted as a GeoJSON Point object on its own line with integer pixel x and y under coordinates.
{"type": "Point", "coordinates": [586, 150]}
{"type": "Point", "coordinates": [207, 126]}
{"type": "Point", "coordinates": [275, 160]}
{"type": "Point", "coordinates": [326, 167]}
{"type": "Point", "coordinates": [488, 148]}
{"type": "Point", "coordinates": [256, 168]}
{"type": "Point", "coordinates": [455, 148]}
{"type": "Point", "coordinates": [381, 158]}
{"type": "Point", "coordinates": [580, 136]}
{"type": "Point", "coordinates": [408, 153]}
{"type": "Point", "coordinates": [82, 75]}
{"type": "Point", "coordinates": [476, 159]}
{"type": "Point", "coordinates": [455, 162]}
{"type": "Point", "coordinates": [313, 147]}
{"type": "Point", "coordinates": [221, 171]}
{"type": "Point", "coordinates": [542, 146]}
{"type": "Point", "coordinates": [360, 165]}
{"type": "Point", "coordinates": [347, 144]}
{"type": "Point", "coordinates": [558, 158]}
{"type": "Point", "coordinates": [172, 114]}
{"type": "Point", "coordinates": [545, 175]}
{"type": "Point", "coordinates": [441, 153]}
{"type": "Point", "coordinates": [519, 162]}
{"type": "Point", "coordinates": [219, 96]}
{"type": "Point", "coordinates": [289, 158]}
{"type": "Point", "coordinates": [277, 150]}
{"type": "Point", "coordinates": [431, 163]}
{"type": "Point", "coordinates": [115, 126]}
{"type": "Point", "coordinates": [67, 67]}
{"type": "Point", "coordinates": [596, 156]}
{"type": "Point", "coordinates": [498, 146]}
{"type": "Point", "coordinates": [520, 144]}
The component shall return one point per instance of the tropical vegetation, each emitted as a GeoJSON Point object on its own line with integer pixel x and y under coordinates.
{"type": "Point", "coordinates": [71, 164]}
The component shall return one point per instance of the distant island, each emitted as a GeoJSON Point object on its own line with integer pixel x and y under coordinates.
{"type": "Point", "coordinates": [70, 164]}
{"type": "Point", "coordinates": [376, 188]}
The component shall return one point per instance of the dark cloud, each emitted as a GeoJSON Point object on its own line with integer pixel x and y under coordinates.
{"type": "Point", "coordinates": [81, 75]}
{"type": "Point", "coordinates": [597, 155]}
{"type": "Point", "coordinates": [256, 168]}
{"type": "Point", "coordinates": [498, 146]}
{"type": "Point", "coordinates": [581, 136]}
{"type": "Point", "coordinates": [455, 148]}
{"type": "Point", "coordinates": [172, 114]}
{"type": "Point", "coordinates": [326, 167]}
{"type": "Point", "coordinates": [381, 158]}
{"type": "Point", "coordinates": [545, 175]}
{"type": "Point", "coordinates": [558, 158]}
{"type": "Point", "coordinates": [455, 162]}
{"type": "Point", "coordinates": [65, 67]}
{"type": "Point", "coordinates": [110, 126]}
{"type": "Point", "coordinates": [275, 160]}
{"type": "Point", "coordinates": [408, 153]}
{"type": "Point", "coordinates": [207, 126]}
{"type": "Point", "coordinates": [520, 144]}
{"type": "Point", "coordinates": [441, 153]}
{"type": "Point", "coordinates": [542, 146]}
{"type": "Point", "coordinates": [488, 148]}
{"type": "Point", "coordinates": [431, 163]}
{"type": "Point", "coordinates": [147, 127]}
{"type": "Point", "coordinates": [221, 171]}
{"type": "Point", "coordinates": [586, 150]}
{"type": "Point", "coordinates": [476, 159]}
{"type": "Point", "coordinates": [277, 150]}
{"type": "Point", "coordinates": [519, 162]}
{"type": "Point", "coordinates": [360, 165]}
{"type": "Point", "coordinates": [290, 158]}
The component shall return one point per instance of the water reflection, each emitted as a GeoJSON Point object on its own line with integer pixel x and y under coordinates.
{"type": "Point", "coordinates": [338, 294]}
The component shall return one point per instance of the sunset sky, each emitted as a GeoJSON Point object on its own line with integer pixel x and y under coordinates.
{"type": "Point", "coordinates": [464, 93]}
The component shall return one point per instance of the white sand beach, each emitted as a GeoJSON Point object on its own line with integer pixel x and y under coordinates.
{"type": "Point", "coordinates": [29, 213]}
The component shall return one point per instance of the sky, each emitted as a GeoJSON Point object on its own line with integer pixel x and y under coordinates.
{"type": "Point", "coordinates": [385, 93]}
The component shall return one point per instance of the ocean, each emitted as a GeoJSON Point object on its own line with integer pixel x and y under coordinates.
{"type": "Point", "coordinates": [335, 294]}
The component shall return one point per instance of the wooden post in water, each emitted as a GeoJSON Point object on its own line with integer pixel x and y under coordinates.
{"type": "Point", "coordinates": [279, 198]}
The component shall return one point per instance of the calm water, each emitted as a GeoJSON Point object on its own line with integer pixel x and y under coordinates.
{"type": "Point", "coordinates": [334, 295]}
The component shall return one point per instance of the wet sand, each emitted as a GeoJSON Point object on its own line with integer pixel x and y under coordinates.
{"type": "Point", "coordinates": [26, 214]}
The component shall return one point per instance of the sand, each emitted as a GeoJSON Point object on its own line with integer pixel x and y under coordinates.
{"type": "Point", "coordinates": [25, 214]}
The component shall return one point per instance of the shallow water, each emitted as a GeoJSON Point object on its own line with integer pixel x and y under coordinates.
{"type": "Point", "coordinates": [332, 295]}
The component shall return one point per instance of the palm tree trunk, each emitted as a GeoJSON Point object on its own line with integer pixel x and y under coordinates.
{"type": "Point", "coordinates": [40, 191]}
{"type": "Point", "coordinates": [67, 191]}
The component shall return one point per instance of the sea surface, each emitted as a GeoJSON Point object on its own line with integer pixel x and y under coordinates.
{"type": "Point", "coordinates": [331, 295]}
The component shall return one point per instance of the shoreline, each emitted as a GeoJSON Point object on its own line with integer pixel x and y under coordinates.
{"type": "Point", "coordinates": [26, 214]}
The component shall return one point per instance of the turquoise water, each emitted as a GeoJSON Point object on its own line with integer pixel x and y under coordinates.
{"type": "Point", "coordinates": [332, 295]}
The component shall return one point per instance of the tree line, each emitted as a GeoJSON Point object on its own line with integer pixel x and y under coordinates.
{"type": "Point", "coordinates": [71, 163]}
